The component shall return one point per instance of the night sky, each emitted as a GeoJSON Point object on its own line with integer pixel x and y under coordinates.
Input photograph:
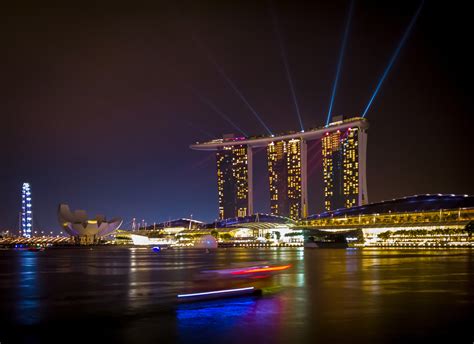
{"type": "Point", "coordinates": [99, 102]}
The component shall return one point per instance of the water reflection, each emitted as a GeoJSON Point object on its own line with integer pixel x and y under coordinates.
{"type": "Point", "coordinates": [357, 296]}
{"type": "Point", "coordinates": [141, 266]}
{"type": "Point", "coordinates": [216, 320]}
{"type": "Point", "coordinates": [226, 312]}
{"type": "Point", "coordinates": [27, 305]}
{"type": "Point", "coordinates": [132, 284]}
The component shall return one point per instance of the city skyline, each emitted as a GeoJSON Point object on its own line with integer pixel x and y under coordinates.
{"type": "Point", "coordinates": [72, 125]}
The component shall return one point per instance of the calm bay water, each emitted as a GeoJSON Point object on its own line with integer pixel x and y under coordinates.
{"type": "Point", "coordinates": [328, 295]}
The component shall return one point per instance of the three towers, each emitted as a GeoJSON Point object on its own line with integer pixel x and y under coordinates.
{"type": "Point", "coordinates": [344, 144]}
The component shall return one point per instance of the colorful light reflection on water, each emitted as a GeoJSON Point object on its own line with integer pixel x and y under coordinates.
{"type": "Point", "coordinates": [126, 295]}
{"type": "Point", "coordinates": [218, 320]}
{"type": "Point", "coordinates": [28, 304]}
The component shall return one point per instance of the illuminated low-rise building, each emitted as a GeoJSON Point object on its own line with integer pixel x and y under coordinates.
{"type": "Point", "coordinates": [254, 230]}
{"type": "Point", "coordinates": [257, 230]}
{"type": "Point", "coordinates": [416, 221]}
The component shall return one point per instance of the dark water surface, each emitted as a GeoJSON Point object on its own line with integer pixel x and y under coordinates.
{"type": "Point", "coordinates": [120, 295]}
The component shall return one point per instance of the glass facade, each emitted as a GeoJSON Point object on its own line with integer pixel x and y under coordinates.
{"type": "Point", "coordinates": [285, 177]}
{"type": "Point", "coordinates": [341, 169]}
{"type": "Point", "coordinates": [350, 168]}
{"type": "Point", "coordinates": [233, 181]}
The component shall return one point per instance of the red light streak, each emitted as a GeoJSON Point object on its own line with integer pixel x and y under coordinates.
{"type": "Point", "coordinates": [265, 269]}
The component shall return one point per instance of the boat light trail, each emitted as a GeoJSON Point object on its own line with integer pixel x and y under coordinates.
{"type": "Point", "coordinates": [261, 269]}
{"type": "Point", "coordinates": [209, 103]}
{"type": "Point", "coordinates": [231, 83]}
{"type": "Point", "coordinates": [394, 57]}
{"type": "Point", "coordinates": [339, 62]}
{"type": "Point", "coordinates": [216, 292]}
{"type": "Point", "coordinates": [285, 63]}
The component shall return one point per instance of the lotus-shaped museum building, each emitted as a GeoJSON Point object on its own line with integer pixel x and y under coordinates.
{"type": "Point", "coordinates": [86, 231]}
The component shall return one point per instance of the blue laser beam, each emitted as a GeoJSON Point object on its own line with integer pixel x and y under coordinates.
{"type": "Point", "coordinates": [339, 62]}
{"type": "Point", "coordinates": [208, 134]}
{"type": "Point", "coordinates": [394, 56]}
{"type": "Point", "coordinates": [234, 87]}
{"type": "Point", "coordinates": [231, 84]}
{"type": "Point", "coordinates": [285, 63]}
{"type": "Point", "coordinates": [209, 103]}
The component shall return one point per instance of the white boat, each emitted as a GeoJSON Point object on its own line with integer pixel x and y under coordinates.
{"type": "Point", "coordinates": [141, 240]}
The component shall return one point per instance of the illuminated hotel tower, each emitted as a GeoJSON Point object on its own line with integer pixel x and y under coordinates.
{"type": "Point", "coordinates": [287, 178]}
{"type": "Point", "coordinates": [234, 181]}
{"type": "Point", "coordinates": [344, 155]}
{"type": "Point", "coordinates": [26, 211]}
